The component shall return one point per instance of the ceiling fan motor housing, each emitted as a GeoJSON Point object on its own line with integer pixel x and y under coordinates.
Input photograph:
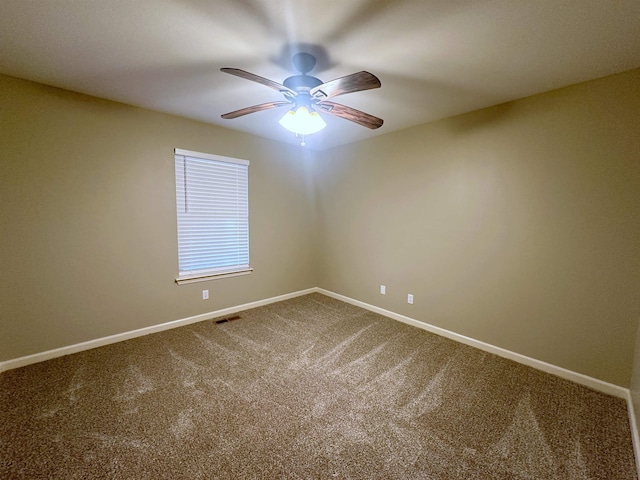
{"type": "Point", "coordinates": [302, 84]}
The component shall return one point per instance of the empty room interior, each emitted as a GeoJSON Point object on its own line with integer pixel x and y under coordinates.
{"type": "Point", "coordinates": [443, 282]}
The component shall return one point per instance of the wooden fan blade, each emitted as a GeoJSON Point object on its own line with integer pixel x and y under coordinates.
{"type": "Point", "coordinates": [355, 82]}
{"type": "Point", "coordinates": [261, 80]}
{"type": "Point", "coordinates": [254, 108]}
{"type": "Point", "coordinates": [351, 114]}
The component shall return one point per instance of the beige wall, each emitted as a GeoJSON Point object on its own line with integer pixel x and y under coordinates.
{"type": "Point", "coordinates": [517, 225]}
{"type": "Point", "coordinates": [89, 223]}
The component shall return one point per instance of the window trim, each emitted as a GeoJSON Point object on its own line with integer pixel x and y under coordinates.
{"type": "Point", "coordinates": [219, 273]}
{"type": "Point", "coordinates": [212, 276]}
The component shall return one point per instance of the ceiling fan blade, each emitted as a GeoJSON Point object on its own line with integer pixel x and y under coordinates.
{"type": "Point", "coordinates": [349, 113]}
{"type": "Point", "coordinates": [355, 82]}
{"type": "Point", "coordinates": [258, 79]}
{"type": "Point", "coordinates": [254, 109]}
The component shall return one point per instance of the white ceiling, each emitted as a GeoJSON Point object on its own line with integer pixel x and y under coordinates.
{"type": "Point", "coordinates": [435, 58]}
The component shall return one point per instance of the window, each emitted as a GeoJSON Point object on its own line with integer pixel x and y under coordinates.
{"type": "Point", "coordinates": [212, 199]}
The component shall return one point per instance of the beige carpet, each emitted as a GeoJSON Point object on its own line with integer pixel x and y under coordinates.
{"type": "Point", "coordinates": [306, 388]}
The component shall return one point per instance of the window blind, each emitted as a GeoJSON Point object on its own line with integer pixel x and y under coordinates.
{"type": "Point", "coordinates": [212, 200]}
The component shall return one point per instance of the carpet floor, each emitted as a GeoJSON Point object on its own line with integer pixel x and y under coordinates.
{"type": "Point", "coordinates": [306, 388]}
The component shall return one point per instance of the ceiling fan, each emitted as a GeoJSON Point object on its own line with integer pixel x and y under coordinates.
{"type": "Point", "coordinates": [307, 96]}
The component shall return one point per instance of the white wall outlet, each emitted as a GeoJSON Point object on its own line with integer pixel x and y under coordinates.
{"type": "Point", "coordinates": [383, 290]}
{"type": "Point", "coordinates": [410, 298]}
{"type": "Point", "coordinates": [205, 294]}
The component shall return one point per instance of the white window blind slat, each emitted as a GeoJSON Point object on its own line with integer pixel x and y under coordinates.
{"type": "Point", "coordinates": [212, 201]}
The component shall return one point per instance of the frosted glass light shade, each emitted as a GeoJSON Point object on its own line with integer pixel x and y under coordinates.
{"type": "Point", "coordinates": [302, 121]}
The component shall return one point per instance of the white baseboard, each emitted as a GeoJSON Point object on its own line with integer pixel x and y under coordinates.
{"type": "Point", "coordinates": [120, 337]}
{"type": "Point", "coordinates": [587, 381]}
{"type": "Point", "coordinates": [579, 378]}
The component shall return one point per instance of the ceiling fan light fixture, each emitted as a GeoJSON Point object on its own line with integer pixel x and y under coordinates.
{"type": "Point", "coordinates": [302, 121]}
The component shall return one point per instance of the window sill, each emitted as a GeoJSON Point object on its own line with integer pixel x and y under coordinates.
{"type": "Point", "coordinates": [212, 276]}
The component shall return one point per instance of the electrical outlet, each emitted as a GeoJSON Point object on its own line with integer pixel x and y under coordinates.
{"type": "Point", "coordinates": [205, 294]}
{"type": "Point", "coordinates": [410, 298]}
{"type": "Point", "coordinates": [383, 290]}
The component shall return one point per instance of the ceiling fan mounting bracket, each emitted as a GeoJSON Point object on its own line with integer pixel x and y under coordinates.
{"type": "Point", "coordinates": [303, 62]}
